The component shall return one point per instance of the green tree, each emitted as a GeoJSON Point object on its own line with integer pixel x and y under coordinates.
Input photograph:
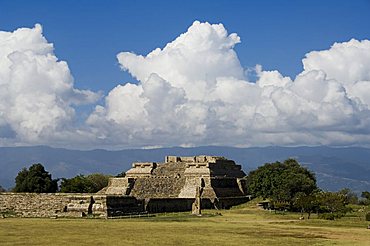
{"type": "Point", "coordinates": [2, 189]}
{"type": "Point", "coordinates": [76, 184]}
{"type": "Point", "coordinates": [98, 181]}
{"type": "Point", "coordinates": [306, 203]}
{"type": "Point", "coordinates": [365, 195]}
{"type": "Point", "coordinates": [332, 205]}
{"type": "Point", "coordinates": [350, 196]}
{"type": "Point", "coordinates": [84, 184]}
{"type": "Point", "coordinates": [35, 179]}
{"type": "Point", "coordinates": [281, 182]}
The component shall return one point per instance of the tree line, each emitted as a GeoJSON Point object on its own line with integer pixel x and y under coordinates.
{"type": "Point", "coordinates": [37, 179]}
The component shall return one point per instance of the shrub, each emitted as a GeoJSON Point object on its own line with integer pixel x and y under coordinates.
{"type": "Point", "coordinates": [2, 189]}
{"type": "Point", "coordinates": [84, 184]}
{"type": "Point", "coordinates": [8, 213]}
{"type": "Point", "coordinates": [367, 216]}
{"type": "Point", "coordinates": [330, 216]}
{"type": "Point", "coordinates": [333, 203]}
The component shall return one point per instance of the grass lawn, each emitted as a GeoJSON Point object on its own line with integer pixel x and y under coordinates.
{"type": "Point", "coordinates": [244, 225]}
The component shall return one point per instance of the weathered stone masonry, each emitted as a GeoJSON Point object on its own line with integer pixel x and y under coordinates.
{"type": "Point", "coordinates": [51, 204]}
{"type": "Point", "coordinates": [66, 204]}
{"type": "Point", "coordinates": [172, 185]}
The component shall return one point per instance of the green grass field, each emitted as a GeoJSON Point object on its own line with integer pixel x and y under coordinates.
{"type": "Point", "coordinates": [244, 225]}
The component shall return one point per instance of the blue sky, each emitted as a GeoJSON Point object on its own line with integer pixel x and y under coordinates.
{"type": "Point", "coordinates": [197, 90]}
{"type": "Point", "coordinates": [277, 34]}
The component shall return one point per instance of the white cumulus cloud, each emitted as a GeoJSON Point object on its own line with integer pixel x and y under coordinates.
{"type": "Point", "coordinates": [194, 92]}
{"type": "Point", "coordinates": [36, 89]}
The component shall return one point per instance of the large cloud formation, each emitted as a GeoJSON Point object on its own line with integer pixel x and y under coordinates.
{"type": "Point", "coordinates": [195, 92]}
{"type": "Point", "coordinates": [37, 96]}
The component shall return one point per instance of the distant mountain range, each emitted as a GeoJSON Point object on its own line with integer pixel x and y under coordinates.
{"type": "Point", "coordinates": [335, 168]}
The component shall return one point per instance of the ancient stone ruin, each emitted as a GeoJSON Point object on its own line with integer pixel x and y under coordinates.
{"type": "Point", "coordinates": [173, 185]}
{"type": "Point", "coordinates": [178, 184]}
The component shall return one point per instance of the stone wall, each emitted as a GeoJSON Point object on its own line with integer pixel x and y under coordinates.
{"type": "Point", "coordinates": [118, 186]}
{"type": "Point", "coordinates": [143, 169]}
{"type": "Point", "coordinates": [157, 187]}
{"type": "Point", "coordinates": [226, 187]}
{"type": "Point", "coordinates": [52, 204]}
{"type": "Point", "coordinates": [123, 205]}
{"type": "Point", "coordinates": [160, 205]}
{"type": "Point", "coordinates": [191, 184]}
{"type": "Point", "coordinates": [104, 206]}
{"type": "Point", "coordinates": [169, 169]}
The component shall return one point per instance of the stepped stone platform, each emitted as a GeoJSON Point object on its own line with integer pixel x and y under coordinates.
{"type": "Point", "coordinates": [175, 181]}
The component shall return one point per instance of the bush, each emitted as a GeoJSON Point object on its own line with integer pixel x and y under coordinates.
{"type": "Point", "coordinates": [84, 184]}
{"type": "Point", "coordinates": [367, 216]}
{"type": "Point", "coordinates": [8, 213]}
{"type": "Point", "coordinates": [332, 203]}
{"type": "Point", "coordinates": [331, 216]}
{"type": "Point", "coordinates": [2, 189]}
